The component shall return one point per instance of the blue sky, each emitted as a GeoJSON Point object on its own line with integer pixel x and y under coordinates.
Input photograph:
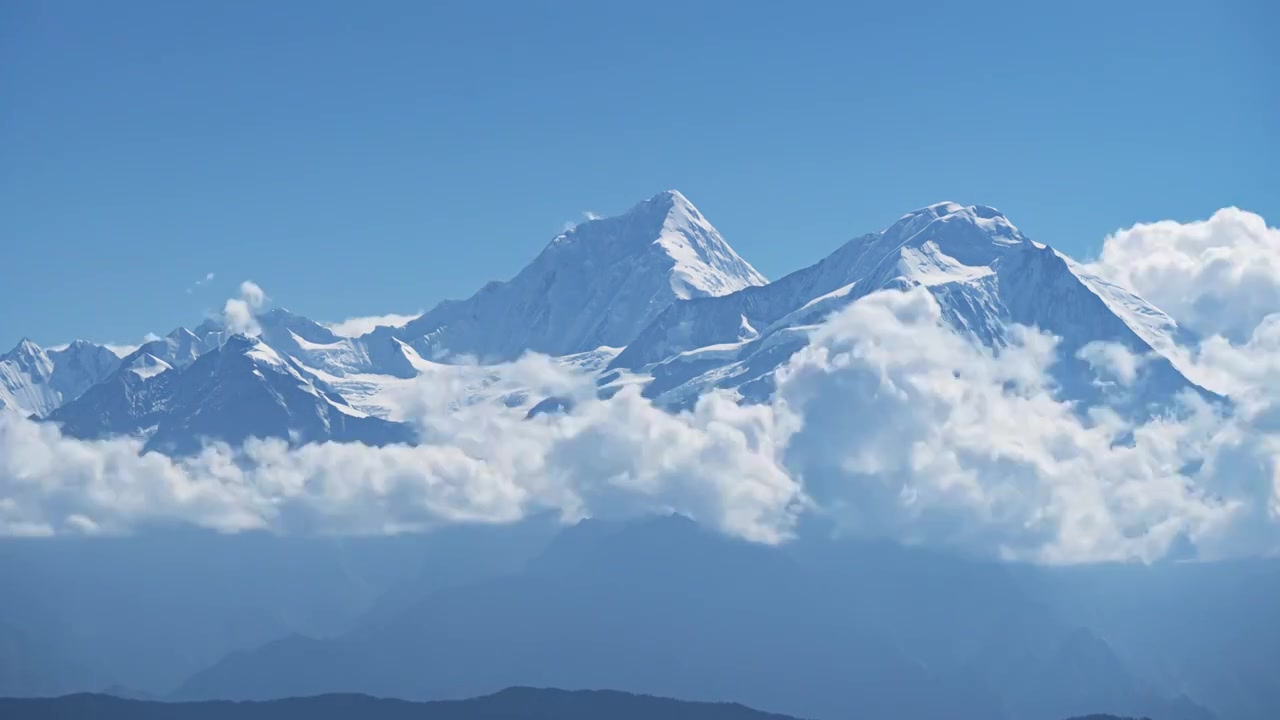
{"type": "Point", "coordinates": [377, 157]}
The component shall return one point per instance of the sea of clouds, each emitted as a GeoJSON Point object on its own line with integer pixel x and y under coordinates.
{"type": "Point", "coordinates": [887, 425]}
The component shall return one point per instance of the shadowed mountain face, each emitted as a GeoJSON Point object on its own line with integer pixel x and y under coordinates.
{"type": "Point", "coordinates": [243, 389]}
{"type": "Point", "coordinates": [35, 381]}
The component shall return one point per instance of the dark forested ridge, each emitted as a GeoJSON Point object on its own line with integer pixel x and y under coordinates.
{"type": "Point", "coordinates": [510, 704]}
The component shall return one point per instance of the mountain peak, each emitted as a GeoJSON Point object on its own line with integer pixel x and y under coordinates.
{"type": "Point", "coordinates": [675, 235]}
{"type": "Point", "coordinates": [955, 228]}
{"type": "Point", "coordinates": [25, 349]}
{"type": "Point", "coordinates": [638, 226]}
{"type": "Point", "coordinates": [239, 342]}
{"type": "Point", "coordinates": [146, 365]}
{"type": "Point", "coordinates": [947, 207]}
{"type": "Point", "coordinates": [675, 205]}
{"type": "Point", "coordinates": [596, 285]}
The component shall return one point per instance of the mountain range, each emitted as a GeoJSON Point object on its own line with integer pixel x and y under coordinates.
{"type": "Point", "coordinates": [654, 296]}
{"type": "Point", "coordinates": [820, 627]}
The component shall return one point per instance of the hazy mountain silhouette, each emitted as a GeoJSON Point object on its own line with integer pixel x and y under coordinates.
{"type": "Point", "coordinates": [666, 607]}
{"type": "Point", "coordinates": [816, 628]}
{"type": "Point", "coordinates": [147, 611]}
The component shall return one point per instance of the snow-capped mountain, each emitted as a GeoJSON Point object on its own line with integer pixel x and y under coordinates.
{"type": "Point", "coordinates": [35, 381]}
{"type": "Point", "coordinates": [654, 296]}
{"type": "Point", "coordinates": [596, 285]}
{"type": "Point", "coordinates": [985, 274]}
{"type": "Point", "coordinates": [179, 348]}
{"type": "Point", "coordinates": [240, 390]}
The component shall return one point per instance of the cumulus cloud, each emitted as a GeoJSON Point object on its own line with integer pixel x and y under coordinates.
{"type": "Point", "coordinates": [887, 424]}
{"type": "Point", "coordinates": [357, 326]}
{"type": "Point", "coordinates": [914, 433]}
{"type": "Point", "coordinates": [1219, 276]}
{"type": "Point", "coordinates": [478, 463]}
{"type": "Point", "coordinates": [238, 312]}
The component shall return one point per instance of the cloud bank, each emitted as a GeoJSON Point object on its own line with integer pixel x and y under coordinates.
{"type": "Point", "coordinates": [887, 425]}
{"type": "Point", "coordinates": [1219, 276]}
{"type": "Point", "coordinates": [478, 463]}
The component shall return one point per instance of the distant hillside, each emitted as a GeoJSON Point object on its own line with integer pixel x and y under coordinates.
{"type": "Point", "coordinates": [511, 704]}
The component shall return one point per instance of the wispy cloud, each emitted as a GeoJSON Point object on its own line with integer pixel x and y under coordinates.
{"type": "Point", "coordinates": [357, 326]}
{"type": "Point", "coordinates": [587, 215]}
{"type": "Point", "coordinates": [238, 312]}
{"type": "Point", "coordinates": [208, 278]}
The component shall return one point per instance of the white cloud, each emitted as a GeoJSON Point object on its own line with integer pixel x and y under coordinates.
{"type": "Point", "coordinates": [586, 215]}
{"type": "Point", "coordinates": [886, 423]}
{"type": "Point", "coordinates": [238, 313]}
{"type": "Point", "coordinates": [1112, 360]}
{"type": "Point", "coordinates": [121, 350]}
{"type": "Point", "coordinates": [623, 456]}
{"type": "Point", "coordinates": [1249, 372]}
{"type": "Point", "coordinates": [125, 349]}
{"type": "Point", "coordinates": [1219, 276]}
{"type": "Point", "coordinates": [913, 433]}
{"type": "Point", "coordinates": [357, 326]}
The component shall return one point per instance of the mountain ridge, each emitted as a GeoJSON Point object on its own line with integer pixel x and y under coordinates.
{"type": "Point", "coordinates": [984, 273]}
{"type": "Point", "coordinates": [592, 286]}
{"type": "Point", "coordinates": [659, 294]}
{"type": "Point", "coordinates": [514, 703]}
{"type": "Point", "coordinates": [243, 389]}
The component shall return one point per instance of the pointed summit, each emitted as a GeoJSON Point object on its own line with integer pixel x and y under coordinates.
{"type": "Point", "coordinates": [179, 348]}
{"type": "Point", "coordinates": [595, 285]}
{"type": "Point", "coordinates": [35, 381]}
{"type": "Point", "coordinates": [25, 351]}
{"type": "Point", "coordinates": [668, 226]}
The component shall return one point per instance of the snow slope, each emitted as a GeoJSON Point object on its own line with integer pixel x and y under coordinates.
{"type": "Point", "coordinates": [984, 272]}
{"type": "Point", "coordinates": [240, 390]}
{"type": "Point", "coordinates": [652, 297]}
{"type": "Point", "coordinates": [596, 285]}
{"type": "Point", "coordinates": [35, 381]}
